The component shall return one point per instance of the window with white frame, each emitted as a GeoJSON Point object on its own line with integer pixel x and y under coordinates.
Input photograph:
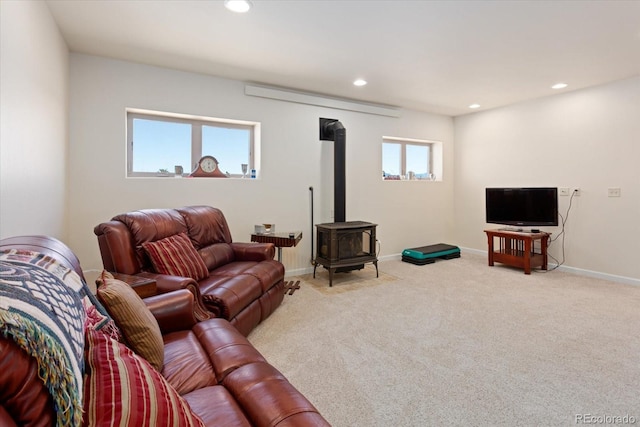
{"type": "Point", "coordinates": [407, 159]}
{"type": "Point", "coordinates": [159, 143]}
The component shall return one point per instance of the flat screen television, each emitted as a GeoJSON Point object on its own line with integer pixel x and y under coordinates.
{"type": "Point", "coordinates": [535, 206]}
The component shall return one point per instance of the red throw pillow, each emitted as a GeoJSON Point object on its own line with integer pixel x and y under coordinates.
{"type": "Point", "coordinates": [176, 256]}
{"type": "Point", "coordinates": [122, 389]}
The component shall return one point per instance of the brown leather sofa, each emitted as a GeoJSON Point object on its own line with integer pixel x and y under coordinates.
{"type": "Point", "coordinates": [244, 285]}
{"type": "Point", "coordinates": [224, 379]}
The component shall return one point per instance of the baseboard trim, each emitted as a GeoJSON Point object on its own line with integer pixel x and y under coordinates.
{"type": "Point", "coordinates": [599, 275]}
{"type": "Point", "coordinates": [578, 271]}
{"type": "Point", "coordinates": [568, 269]}
{"type": "Point", "coordinates": [309, 270]}
{"type": "Point", "coordinates": [298, 272]}
{"type": "Point", "coordinates": [390, 257]}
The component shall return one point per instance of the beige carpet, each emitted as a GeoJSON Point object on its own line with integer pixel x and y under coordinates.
{"type": "Point", "coordinates": [459, 343]}
{"type": "Point", "coordinates": [346, 282]}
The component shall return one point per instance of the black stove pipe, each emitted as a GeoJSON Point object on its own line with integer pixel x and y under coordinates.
{"type": "Point", "coordinates": [333, 130]}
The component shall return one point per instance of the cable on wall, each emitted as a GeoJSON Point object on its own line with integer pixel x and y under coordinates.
{"type": "Point", "coordinates": [562, 233]}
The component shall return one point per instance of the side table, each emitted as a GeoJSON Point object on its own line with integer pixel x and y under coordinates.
{"type": "Point", "coordinates": [143, 286]}
{"type": "Point", "coordinates": [517, 249]}
{"type": "Point", "coordinates": [280, 240]}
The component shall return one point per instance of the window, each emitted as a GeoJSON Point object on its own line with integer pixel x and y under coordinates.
{"type": "Point", "coordinates": [410, 159]}
{"type": "Point", "coordinates": [158, 142]}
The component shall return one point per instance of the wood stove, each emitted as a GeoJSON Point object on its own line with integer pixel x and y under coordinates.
{"type": "Point", "coordinates": [342, 245]}
{"type": "Point", "coordinates": [345, 246]}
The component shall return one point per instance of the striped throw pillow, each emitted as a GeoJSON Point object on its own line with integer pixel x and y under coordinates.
{"type": "Point", "coordinates": [122, 389]}
{"type": "Point", "coordinates": [140, 329]}
{"type": "Point", "coordinates": [176, 256]}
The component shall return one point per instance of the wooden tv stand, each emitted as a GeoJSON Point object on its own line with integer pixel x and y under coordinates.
{"type": "Point", "coordinates": [517, 249]}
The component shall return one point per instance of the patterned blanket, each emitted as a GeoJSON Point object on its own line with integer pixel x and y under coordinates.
{"type": "Point", "coordinates": [42, 311]}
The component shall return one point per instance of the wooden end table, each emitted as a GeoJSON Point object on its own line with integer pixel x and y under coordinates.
{"type": "Point", "coordinates": [517, 249]}
{"type": "Point", "coordinates": [143, 286]}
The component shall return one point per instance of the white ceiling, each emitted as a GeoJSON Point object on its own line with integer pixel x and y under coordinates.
{"type": "Point", "coordinates": [436, 56]}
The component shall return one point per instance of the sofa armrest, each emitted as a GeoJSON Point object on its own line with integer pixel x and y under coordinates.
{"type": "Point", "coordinates": [174, 311]}
{"type": "Point", "coordinates": [24, 398]}
{"type": "Point", "coordinates": [166, 283]}
{"type": "Point", "coordinates": [46, 245]}
{"type": "Point", "coordinates": [253, 251]}
{"type": "Point", "coordinates": [116, 247]}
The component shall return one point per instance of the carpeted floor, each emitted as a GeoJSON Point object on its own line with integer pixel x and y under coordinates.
{"type": "Point", "coordinates": [458, 343]}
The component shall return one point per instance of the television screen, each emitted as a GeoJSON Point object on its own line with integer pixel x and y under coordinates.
{"type": "Point", "coordinates": [522, 206]}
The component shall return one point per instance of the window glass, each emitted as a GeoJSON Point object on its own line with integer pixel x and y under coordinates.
{"type": "Point", "coordinates": [391, 159]}
{"type": "Point", "coordinates": [229, 146]}
{"type": "Point", "coordinates": [159, 146]}
{"type": "Point", "coordinates": [418, 160]}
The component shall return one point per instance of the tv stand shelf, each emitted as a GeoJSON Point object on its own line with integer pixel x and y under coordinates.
{"type": "Point", "coordinates": [517, 249]}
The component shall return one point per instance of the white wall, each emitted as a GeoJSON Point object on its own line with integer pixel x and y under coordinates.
{"type": "Point", "coordinates": [293, 159]}
{"type": "Point", "coordinates": [33, 121]}
{"type": "Point", "coordinates": [589, 139]}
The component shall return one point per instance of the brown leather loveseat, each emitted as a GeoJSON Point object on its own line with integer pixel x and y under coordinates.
{"type": "Point", "coordinates": [241, 281]}
{"type": "Point", "coordinates": [211, 374]}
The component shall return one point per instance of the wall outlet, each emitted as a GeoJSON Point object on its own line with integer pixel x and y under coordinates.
{"type": "Point", "coordinates": [564, 191]}
{"type": "Point", "coordinates": [577, 192]}
{"type": "Point", "coordinates": [613, 191]}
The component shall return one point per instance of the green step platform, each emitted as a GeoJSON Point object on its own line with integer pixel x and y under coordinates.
{"type": "Point", "coordinates": [428, 254]}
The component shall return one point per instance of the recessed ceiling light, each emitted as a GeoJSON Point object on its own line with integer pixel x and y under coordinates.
{"type": "Point", "coordinates": [240, 6]}
{"type": "Point", "coordinates": [360, 82]}
{"type": "Point", "coordinates": [474, 106]}
{"type": "Point", "coordinates": [559, 86]}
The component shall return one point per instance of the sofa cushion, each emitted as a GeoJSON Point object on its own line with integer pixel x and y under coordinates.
{"type": "Point", "coordinates": [206, 225]}
{"type": "Point", "coordinates": [216, 407]}
{"type": "Point", "coordinates": [250, 383]}
{"type": "Point", "coordinates": [203, 356]}
{"type": "Point", "coordinates": [267, 272]}
{"type": "Point", "coordinates": [150, 225]}
{"type": "Point", "coordinates": [176, 256]}
{"type": "Point", "coordinates": [123, 389]}
{"type": "Point", "coordinates": [230, 294]}
{"type": "Point", "coordinates": [146, 225]}
{"type": "Point", "coordinates": [227, 348]}
{"type": "Point", "coordinates": [138, 326]}
{"type": "Point", "coordinates": [217, 255]}
{"type": "Point", "coordinates": [187, 366]}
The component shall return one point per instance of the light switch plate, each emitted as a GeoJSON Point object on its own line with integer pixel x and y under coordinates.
{"type": "Point", "coordinates": [613, 191]}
